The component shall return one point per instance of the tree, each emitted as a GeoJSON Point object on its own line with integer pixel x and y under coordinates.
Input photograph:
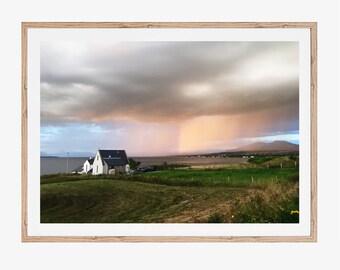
{"type": "Point", "coordinates": [133, 164]}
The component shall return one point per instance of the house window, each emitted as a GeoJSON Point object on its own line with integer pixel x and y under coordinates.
{"type": "Point", "coordinates": [97, 157]}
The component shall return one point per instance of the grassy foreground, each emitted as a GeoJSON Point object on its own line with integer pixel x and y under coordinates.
{"type": "Point", "coordinates": [178, 196]}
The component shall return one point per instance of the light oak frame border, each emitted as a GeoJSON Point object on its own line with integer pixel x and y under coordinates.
{"type": "Point", "coordinates": [313, 115]}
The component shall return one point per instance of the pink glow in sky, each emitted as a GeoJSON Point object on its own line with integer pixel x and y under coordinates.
{"type": "Point", "coordinates": [161, 98]}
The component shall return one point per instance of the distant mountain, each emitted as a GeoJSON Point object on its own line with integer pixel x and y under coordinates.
{"type": "Point", "coordinates": [71, 154]}
{"type": "Point", "coordinates": [276, 146]}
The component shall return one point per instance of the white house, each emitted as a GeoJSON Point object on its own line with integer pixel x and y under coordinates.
{"type": "Point", "coordinates": [88, 165]}
{"type": "Point", "coordinates": [110, 162]}
{"type": "Point", "coordinates": [85, 168]}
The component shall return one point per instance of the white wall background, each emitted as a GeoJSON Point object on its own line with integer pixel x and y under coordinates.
{"type": "Point", "coordinates": [16, 255]}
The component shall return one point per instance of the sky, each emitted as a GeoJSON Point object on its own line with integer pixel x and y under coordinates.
{"type": "Point", "coordinates": [165, 98]}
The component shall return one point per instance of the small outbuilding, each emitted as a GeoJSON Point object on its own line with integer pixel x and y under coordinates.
{"type": "Point", "coordinates": [88, 165]}
{"type": "Point", "coordinates": [78, 170]}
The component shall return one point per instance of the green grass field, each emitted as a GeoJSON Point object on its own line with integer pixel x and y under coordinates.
{"type": "Point", "coordinates": [228, 177]}
{"type": "Point", "coordinates": [187, 195]}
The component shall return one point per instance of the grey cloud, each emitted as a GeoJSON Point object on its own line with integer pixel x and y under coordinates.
{"type": "Point", "coordinates": [149, 81]}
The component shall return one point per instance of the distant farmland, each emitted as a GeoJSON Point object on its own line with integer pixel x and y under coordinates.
{"type": "Point", "coordinates": [190, 160]}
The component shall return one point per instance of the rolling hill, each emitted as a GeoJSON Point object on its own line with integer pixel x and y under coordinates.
{"type": "Point", "coordinates": [276, 146]}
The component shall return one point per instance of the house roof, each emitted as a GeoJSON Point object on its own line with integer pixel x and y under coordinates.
{"type": "Point", "coordinates": [114, 157]}
{"type": "Point", "coordinates": [90, 160]}
{"type": "Point", "coordinates": [78, 169]}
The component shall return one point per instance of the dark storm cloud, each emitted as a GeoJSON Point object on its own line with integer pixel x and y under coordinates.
{"type": "Point", "coordinates": [166, 81]}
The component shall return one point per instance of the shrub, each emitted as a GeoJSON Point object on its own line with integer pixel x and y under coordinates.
{"type": "Point", "coordinates": [215, 218]}
{"type": "Point", "coordinates": [260, 159]}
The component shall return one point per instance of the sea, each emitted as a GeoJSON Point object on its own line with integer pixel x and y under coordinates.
{"type": "Point", "coordinates": [53, 165]}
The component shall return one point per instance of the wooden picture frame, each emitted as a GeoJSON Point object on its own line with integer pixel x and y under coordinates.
{"type": "Point", "coordinates": [312, 26]}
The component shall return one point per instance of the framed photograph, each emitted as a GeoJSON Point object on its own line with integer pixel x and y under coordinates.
{"type": "Point", "coordinates": [169, 132]}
